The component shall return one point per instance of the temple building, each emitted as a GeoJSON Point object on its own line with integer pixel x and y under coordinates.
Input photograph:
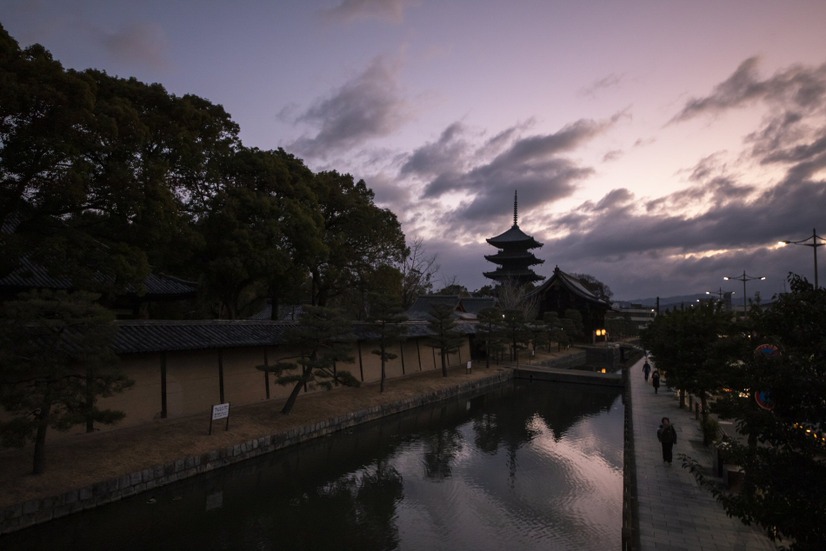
{"type": "Point", "coordinates": [514, 258]}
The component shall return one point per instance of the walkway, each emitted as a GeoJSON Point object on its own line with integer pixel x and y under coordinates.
{"type": "Point", "coordinates": [675, 514]}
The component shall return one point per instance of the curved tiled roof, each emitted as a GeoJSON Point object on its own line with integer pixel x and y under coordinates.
{"type": "Point", "coordinates": [147, 336]}
{"type": "Point", "coordinates": [514, 236]}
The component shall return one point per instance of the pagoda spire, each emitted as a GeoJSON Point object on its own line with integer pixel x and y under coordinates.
{"type": "Point", "coordinates": [514, 208]}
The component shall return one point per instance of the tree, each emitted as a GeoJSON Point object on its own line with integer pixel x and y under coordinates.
{"type": "Point", "coordinates": [511, 296]}
{"type": "Point", "coordinates": [454, 289]}
{"type": "Point", "coordinates": [598, 288]}
{"type": "Point", "coordinates": [261, 232]}
{"type": "Point", "coordinates": [784, 472]}
{"type": "Point", "coordinates": [575, 328]}
{"type": "Point", "coordinates": [774, 364]}
{"type": "Point", "coordinates": [385, 319]}
{"type": "Point", "coordinates": [444, 334]}
{"type": "Point", "coordinates": [323, 338]}
{"type": "Point", "coordinates": [101, 177]}
{"type": "Point", "coordinates": [490, 329]}
{"type": "Point", "coordinates": [418, 271]}
{"type": "Point", "coordinates": [56, 360]}
{"type": "Point", "coordinates": [360, 237]}
{"type": "Point", "coordinates": [516, 330]}
{"type": "Point", "coordinates": [694, 347]}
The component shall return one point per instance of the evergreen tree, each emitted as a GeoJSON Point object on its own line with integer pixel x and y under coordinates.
{"type": "Point", "coordinates": [56, 360]}
{"type": "Point", "coordinates": [443, 332]}
{"type": "Point", "coordinates": [386, 319]}
{"type": "Point", "coordinates": [323, 338]}
{"type": "Point", "coordinates": [490, 329]}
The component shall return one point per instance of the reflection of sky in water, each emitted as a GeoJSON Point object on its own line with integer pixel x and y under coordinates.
{"type": "Point", "coordinates": [559, 493]}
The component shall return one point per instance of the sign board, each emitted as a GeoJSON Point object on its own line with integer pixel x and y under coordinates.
{"type": "Point", "coordinates": [219, 411]}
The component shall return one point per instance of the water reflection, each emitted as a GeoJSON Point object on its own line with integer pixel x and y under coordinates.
{"type": "Point", "coordinates": [528, 466]}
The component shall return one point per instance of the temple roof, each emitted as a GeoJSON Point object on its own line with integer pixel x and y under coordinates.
{"type": "Point", "coordinates": [514, 236]}
{"type": "Point", "coordinates": [572, 284]}
{"type": "Point", "coordinates": [31, 275]}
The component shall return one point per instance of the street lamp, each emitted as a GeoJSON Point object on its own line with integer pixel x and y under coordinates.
{"type": "Point", "coordinates": [721, 295]}
{"type": "Point", "coordinates": [814, 245]}
{"type": "Point", "coordinates": [744, 278]}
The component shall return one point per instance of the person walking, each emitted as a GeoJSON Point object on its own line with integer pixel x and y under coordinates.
{"type": "Point", "coordinates": [646, 369]}
{"type": "Point", "coordinates": [667, 437]}
{"type": "Point", "coordinates": [655, 380]}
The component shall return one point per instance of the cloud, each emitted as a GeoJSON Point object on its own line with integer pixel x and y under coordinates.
{"type": "Point", "coordinates": [605, 83]}
{"type": "Point", "coordinates": [348, 11]}
{"type": "Point", "coordinates": [138, 43]}
{"type": "Point", "coordinates": [438, 157]}
{"type": "Point", "coordinates": [796, 87]}
{"type": "Point", "coordinates": [533, 165]}
{"type": "Point", "coordinates": [367, 107]}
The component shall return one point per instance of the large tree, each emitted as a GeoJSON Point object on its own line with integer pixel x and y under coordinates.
{"type": "Point", "coordinates": [100, 177]}
{"type": "Point", "coordinates": [261, 232]}
{"type": "Point", "coordinates": [55, 361]}
{"type": "Point", "coordinates": [360, 236]}
{"type": "Point", "coordinates": [418, 270]}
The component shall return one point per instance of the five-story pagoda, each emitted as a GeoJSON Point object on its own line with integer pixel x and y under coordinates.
{"type": "Point", "coordinates": [514, 257]}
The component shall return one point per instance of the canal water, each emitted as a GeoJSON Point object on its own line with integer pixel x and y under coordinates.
{"type": "Point", "coordinates": [525, 466]}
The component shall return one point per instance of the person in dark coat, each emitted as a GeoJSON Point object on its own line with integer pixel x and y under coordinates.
{"type": "Point", "coordinates": [667, 437]}
{"type": "Point", "coordinates": [655, 380]}
{"type": "Point", "coordinates": [646, 369]}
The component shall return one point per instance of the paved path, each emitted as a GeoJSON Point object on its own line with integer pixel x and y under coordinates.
{"type": "Point", "coordinates": [674, 512]}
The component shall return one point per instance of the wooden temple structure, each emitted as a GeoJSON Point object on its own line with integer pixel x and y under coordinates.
{"type": "Point", "coordinates": [514, 259]}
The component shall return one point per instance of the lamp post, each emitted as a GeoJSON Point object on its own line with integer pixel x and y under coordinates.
{"type": "Point", "coordinates": [720, 297]}
{"type": "Point", "coordinates": [744, 278]}
{"type": "Point", "coordinates": [814, 245]}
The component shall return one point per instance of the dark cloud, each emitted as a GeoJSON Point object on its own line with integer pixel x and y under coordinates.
{"type": "Point", "coordinates": [367, 107]}
{"type": "Point", "coordinates": [534, 166]}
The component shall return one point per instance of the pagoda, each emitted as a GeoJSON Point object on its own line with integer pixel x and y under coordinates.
{"type": "Point", "coordinates": [514, 257]}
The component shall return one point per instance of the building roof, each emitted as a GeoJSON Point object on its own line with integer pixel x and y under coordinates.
{"type": "Point", "coordinates": [32, 275]}
{"type": "Point", "coordinates": [151, 336]}
{"type": "Point", "coordinates": [514, 236]}
{"type": "Point", "coordinates": [464, 307]}
{"type": "Point", "coordinates": [572, 284]}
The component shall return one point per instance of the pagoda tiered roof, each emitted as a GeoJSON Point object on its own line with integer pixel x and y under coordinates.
{"type": "Point", "coordinates": [514, 257]}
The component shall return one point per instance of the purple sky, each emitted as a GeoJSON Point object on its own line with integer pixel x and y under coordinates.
{"type": "Point", "coordinates": [657, 146]}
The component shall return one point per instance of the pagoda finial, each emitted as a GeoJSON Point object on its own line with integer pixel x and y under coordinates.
{"type": "Point", "coordinates": [514, 207]}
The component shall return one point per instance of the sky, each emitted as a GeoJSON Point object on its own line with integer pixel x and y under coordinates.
{"type": "Point", "coordinates": [656, 145]}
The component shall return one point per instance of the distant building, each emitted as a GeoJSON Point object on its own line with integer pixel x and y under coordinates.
{"type": "Point", "coordinates": [514, 258]}
{"type": "Point", "coordinates": [466, 308]}
{"type": "Point", "coordinates": [132, 303]}
{"type": "Point", "coordinates": [563, 292]}
{"type": "Point", "coordinates": [638, 314]}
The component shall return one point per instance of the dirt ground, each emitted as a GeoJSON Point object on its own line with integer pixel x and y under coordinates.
{"type": "Point", "coordinates": [78, 461]}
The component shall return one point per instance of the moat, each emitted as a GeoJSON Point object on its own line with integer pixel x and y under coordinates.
{"type": "Point", "coordinates": [524, 466]}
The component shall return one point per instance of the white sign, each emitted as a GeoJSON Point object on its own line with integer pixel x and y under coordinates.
{"type": "Point", "coordinates": [220, 411]}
